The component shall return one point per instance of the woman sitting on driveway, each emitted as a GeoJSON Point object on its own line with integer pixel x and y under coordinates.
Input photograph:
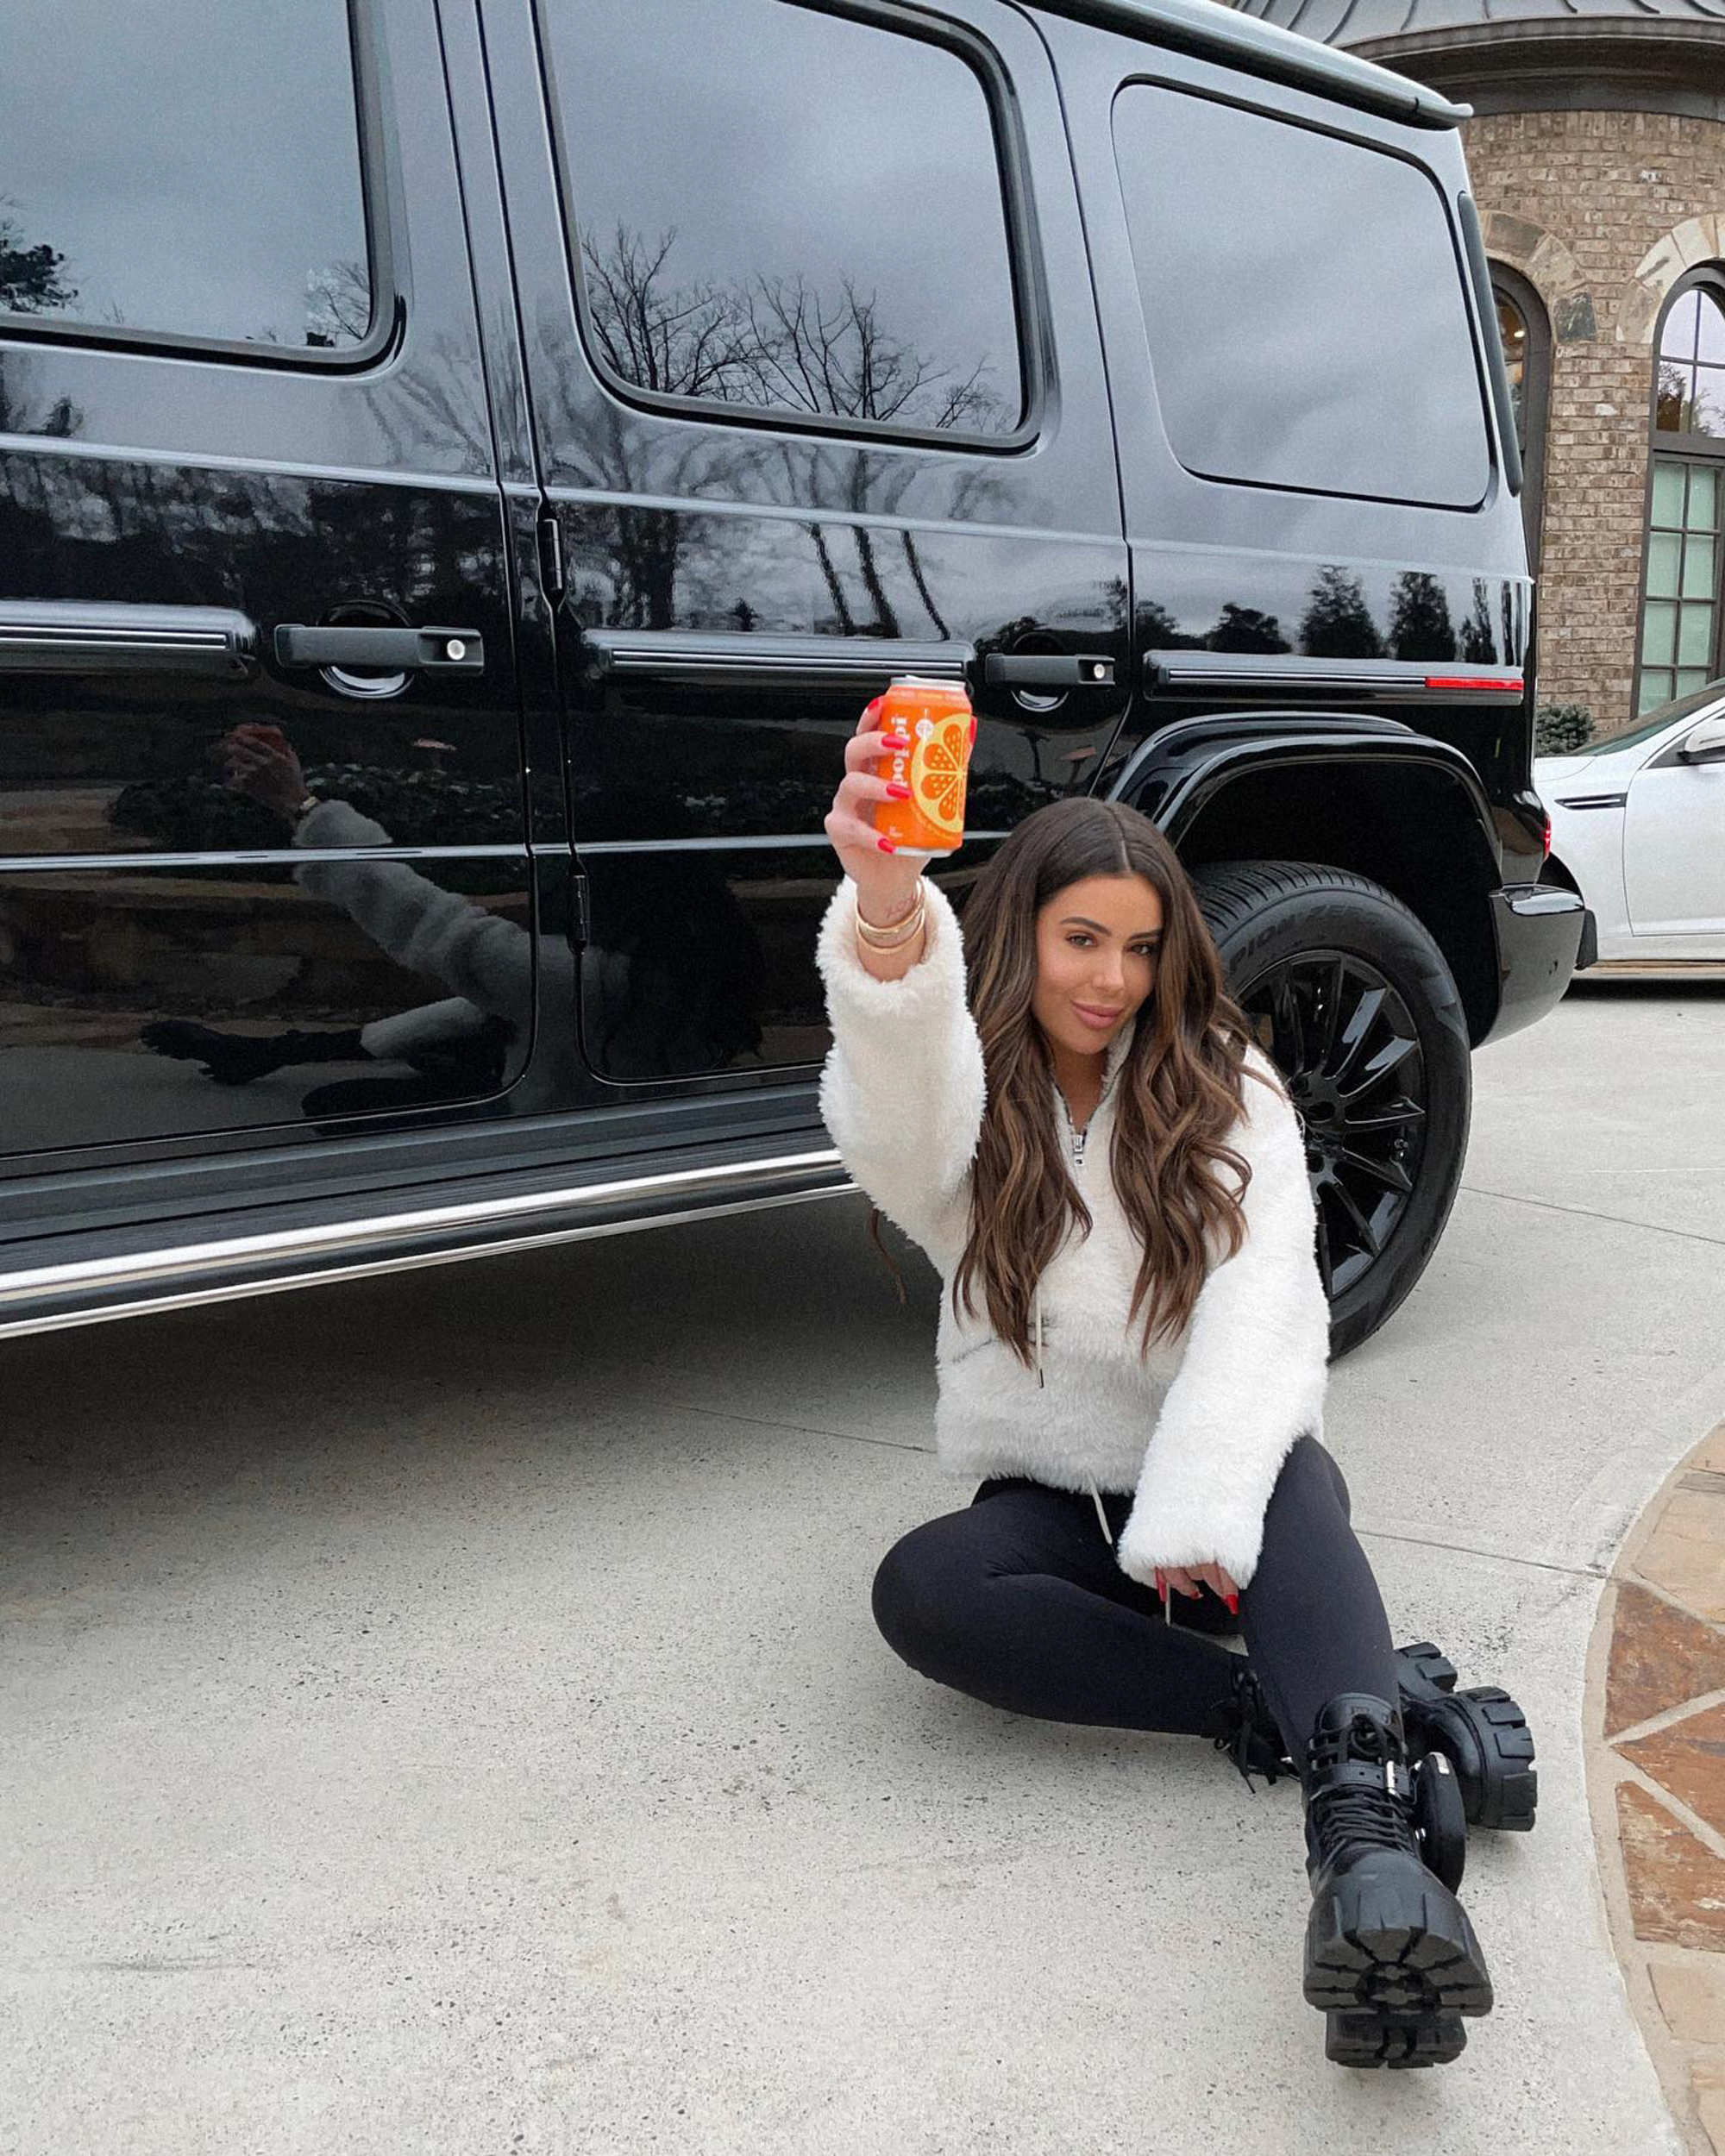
{"type": "Point", "coordinates": [1067, 1112]}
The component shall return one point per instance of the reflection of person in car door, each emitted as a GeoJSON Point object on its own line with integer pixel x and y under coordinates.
{"type": "Point", "coordinates": [660, 994]}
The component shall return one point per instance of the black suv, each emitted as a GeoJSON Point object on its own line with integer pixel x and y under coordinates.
{"type": "Point", "coordinates": [465, 463]}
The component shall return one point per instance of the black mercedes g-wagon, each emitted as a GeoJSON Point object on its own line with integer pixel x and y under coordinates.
{"type": "Point", "coordinates": [466, 462]}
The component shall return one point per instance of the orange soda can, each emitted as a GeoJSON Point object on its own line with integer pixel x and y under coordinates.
{"type": "Point", "coordinates": [936, 719]}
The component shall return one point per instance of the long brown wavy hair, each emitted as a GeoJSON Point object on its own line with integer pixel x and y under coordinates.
{"type": "Point", "coordinates": [1178, 1090]}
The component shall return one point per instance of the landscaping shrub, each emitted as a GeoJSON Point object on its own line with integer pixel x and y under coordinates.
{"type": "Point", "coordinates": [1560, 729]}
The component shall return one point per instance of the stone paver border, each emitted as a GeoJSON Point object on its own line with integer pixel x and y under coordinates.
{"type": "Point", "coordinates": [1655, 1731]}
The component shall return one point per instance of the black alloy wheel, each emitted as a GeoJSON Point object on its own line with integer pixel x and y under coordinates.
{"type": "Point", "coordinates": [1350, 1050]}
{"type": "Point", "coordinates": [1351, 998]}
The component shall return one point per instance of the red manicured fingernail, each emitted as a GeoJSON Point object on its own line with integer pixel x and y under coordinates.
{"type": "Point", "coordinates": [1233, 1602]}
{"type": "Point", "coordinates": [897, 792]}
{"type": "Point", "coordinates": [886, 845]}
{"type": "Point", "coordinates": [872, 708]}
{"type": "Point", "coordinates": [973, 733]}
{"type": "Point", "coordinates": [896, 741]}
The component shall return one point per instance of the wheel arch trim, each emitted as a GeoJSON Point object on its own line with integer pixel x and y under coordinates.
{"type": "Point", "coordinates": [1199, 759]}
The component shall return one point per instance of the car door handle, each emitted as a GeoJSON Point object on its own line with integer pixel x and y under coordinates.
{"type": "Point", "coordinates": [390, 650]}
{"type": "Point", "coordinates": [102, 636]}
{"type": "Point", "coordinates": [1049, 670]}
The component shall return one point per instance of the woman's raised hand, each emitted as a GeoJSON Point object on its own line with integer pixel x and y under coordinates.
{"type": "Point", "coordinates": [260, 760]}
{"type": "Point", "coordinates": [885, 884]}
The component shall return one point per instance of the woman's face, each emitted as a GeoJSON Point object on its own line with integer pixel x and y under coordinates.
{"type": "Point", "coordinates": [1096, 942]}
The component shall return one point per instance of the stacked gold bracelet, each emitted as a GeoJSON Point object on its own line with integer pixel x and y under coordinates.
{"type": "Point", "coordinates": [895, 938]}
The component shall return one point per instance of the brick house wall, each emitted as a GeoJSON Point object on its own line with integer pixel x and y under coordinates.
{"type": "Point", "coordinates": [1601, 212]}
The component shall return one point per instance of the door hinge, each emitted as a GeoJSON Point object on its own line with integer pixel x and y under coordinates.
{"type": "Point", "coordinates": [582, 911]}
{"type": "Point", "coordinates": [550, 559]}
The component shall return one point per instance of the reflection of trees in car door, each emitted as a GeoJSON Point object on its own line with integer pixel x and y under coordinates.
{"type": "Point", "coordinates": [772, 422]}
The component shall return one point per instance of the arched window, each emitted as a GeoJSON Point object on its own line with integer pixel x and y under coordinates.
{"type": "Point", "coordinates": [1680, 603]}
{"type": "Point", "coordinates": [1690, 395]}
{"type": "Point", "coordinates": [1526, 337]}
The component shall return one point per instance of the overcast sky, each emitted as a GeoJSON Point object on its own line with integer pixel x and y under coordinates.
{"type": "Point", "coordinates": [193, 160]}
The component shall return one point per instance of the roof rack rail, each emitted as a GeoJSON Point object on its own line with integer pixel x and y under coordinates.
{"type": "Point", "coordinates": [1208, 26]}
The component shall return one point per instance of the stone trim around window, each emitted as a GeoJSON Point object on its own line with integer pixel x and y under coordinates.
{"type": "Point", "coordinates": [1678, 642]}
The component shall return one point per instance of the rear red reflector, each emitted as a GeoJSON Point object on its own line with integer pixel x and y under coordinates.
{"type": "Point", "coordinates": [1509, 684]}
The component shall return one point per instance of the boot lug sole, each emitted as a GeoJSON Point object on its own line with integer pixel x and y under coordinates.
{"type": "Point", "coordinates": [1396, 1953]}
{"type": "Point", "coordinates": [1482, 1731]}
{"type": "Point", "coordinates": [1367, 2040]}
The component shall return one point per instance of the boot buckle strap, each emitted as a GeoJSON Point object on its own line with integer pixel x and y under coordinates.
{"type": "Point", "coordinates": [1388, 1775]}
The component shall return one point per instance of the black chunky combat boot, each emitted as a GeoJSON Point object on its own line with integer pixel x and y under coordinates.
{"type": "Point", "coordinates": [1390, 1956]}
{"type": "Point", "coordinates": [1481, 1733]}
{"type": "Point", "coordinates": [1247, 1730]}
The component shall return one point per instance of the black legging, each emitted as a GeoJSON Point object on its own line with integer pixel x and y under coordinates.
{"type": "Point", "coordinates": [1019, 1601]}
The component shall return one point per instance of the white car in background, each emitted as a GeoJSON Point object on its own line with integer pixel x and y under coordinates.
{"type": "Point", "coordinates": [1638, 827]}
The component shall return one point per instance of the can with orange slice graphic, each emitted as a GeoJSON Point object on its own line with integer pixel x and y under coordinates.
{"type": "Point", "coordinates": [935, 718]}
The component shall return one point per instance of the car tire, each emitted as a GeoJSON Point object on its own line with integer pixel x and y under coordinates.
{"type": "Point", "coordinates": [1351, 999]}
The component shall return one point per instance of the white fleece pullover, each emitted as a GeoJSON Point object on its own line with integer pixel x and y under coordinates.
{"type": "Point", "coordinates": [1198, 1429]}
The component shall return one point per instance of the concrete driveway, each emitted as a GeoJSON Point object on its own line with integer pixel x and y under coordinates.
{"type": "Point", "coordinates": [444, 1714]}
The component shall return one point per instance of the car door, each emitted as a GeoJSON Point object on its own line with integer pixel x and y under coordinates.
{"type": "Point", "coordinates": [1302, 412]}
{"type": "Point", "coordinates": [262, 846]}
{"type": "Point", "coordinates": [816, 378]}
{"type": "Point", "coordinates": [1674, 842]}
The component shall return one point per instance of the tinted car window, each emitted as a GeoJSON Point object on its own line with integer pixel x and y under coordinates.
{"type": "Point", "coordinates": [187, 170]}
{"type": "Point", "coordinates": [786, 209]}
{"type": "Point", "coordinates": [1303, 301]}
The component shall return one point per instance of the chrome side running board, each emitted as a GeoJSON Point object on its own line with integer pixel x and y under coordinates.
{"type": "Point", "coordinates": [49, 1298]}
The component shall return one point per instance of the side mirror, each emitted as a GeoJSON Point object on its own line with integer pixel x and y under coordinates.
{"type": "Point", "coordinates": [1706, 743]}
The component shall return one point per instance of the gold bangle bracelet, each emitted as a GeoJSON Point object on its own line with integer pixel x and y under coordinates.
{"type": "Point", "coordinates": [898, 941]}
{"type": "Point", "coordinates": [886, 928]}
{"type": "Point", "coordinates": [896, 937]}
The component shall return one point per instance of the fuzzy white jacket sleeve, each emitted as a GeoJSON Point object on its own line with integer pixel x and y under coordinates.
{"type": "Point", "coordinates": [902, 1091]}
{"type": "Point", "coordinates": [440, 936]}
{"type": "Point", "coordinates": [1254, 1373]}
{"type": "Point", "coordinates": [426, 1026]}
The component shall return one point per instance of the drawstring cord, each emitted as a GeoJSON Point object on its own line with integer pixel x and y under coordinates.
{"type": "Point", "coordinates": [1078, 1139]}
{"type": "Point", "coordinates": [1089, 1480]}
